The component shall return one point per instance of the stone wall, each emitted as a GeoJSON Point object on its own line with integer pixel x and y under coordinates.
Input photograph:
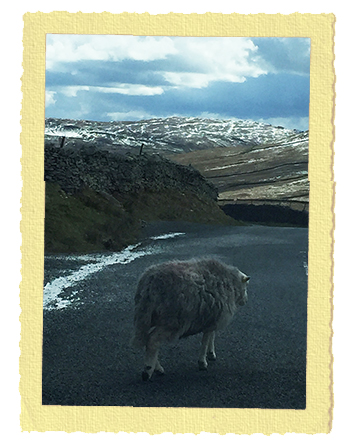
{"type": "Point", "coordinates": [106, 171]}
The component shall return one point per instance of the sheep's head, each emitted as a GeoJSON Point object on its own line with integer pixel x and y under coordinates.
{"type": "Point", "coordinates": [242, 298]}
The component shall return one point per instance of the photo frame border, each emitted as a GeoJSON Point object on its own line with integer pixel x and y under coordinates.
{"type": "Point", "coordinates": [318, 415]}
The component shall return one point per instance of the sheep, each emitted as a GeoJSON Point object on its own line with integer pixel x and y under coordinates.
{"type": "Point", "coordinates": [181, 298]}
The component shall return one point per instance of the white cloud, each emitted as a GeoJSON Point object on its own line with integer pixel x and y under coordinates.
{"type": "Point", "coordinates": [133, 115]}
{"type": "Point", "coordinates": [129, 89]}
{"type": "Point", "coordinates": [71, 48]}
{"type": "Point", "coordinates": [183, 62]}
{"type": "Point", "coordinates": [199, 60]}
{"type": "Point", "coordinates": [214, 59]}
{"type": "Point", "coordinates": [49, 98]}
{"type": "Point", "coordinates": [71, 91]}
{"type": "Point", "coordinates": [187, 79]}
{"type": "Point", "coordinates": [149, 48]}
{"type": "Point", "coordinates": [121, 88]}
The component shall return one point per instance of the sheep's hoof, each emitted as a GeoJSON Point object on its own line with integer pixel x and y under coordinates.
{"type": "Point", "coordinates": [147, 373]}
{"type": "Point", "coordinates": [159, 372]}
{"type": "Point", "coordinates": [145, 376]}
{"type": "Point", "coordinates": [202, 365]}
{"type": "Point", "coordinates": [211, 356]}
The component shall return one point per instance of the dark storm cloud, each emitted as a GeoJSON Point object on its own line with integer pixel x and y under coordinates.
{"type": "Point", "coordinates": [267, 96]}
{"type": "Point", "coordinates": [288, 55]}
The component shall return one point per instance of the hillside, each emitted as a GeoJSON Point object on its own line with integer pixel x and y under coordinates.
{"type": "Point", "coordinates": [166, 135]}
{"type": "Point", "coordinates": [98, 199]}
{"type": "Point", "coordinates": [268, 173]}
{"type": "Point", "coordinates": [251, 164]}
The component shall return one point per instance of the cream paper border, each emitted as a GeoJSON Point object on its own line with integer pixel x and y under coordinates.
{"type": "Point", "coordinates": [317, 417]}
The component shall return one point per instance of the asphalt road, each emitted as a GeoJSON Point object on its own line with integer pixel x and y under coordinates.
{"type": "Point", "coordinates": [261, 356]}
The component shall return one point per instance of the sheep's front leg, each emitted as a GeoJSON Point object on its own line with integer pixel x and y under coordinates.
{"type": "Point", "coordinates": [202, 360]}
{"type": "Point", "coordinates": [211, 348]}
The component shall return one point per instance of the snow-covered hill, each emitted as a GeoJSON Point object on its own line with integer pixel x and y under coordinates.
{"type": "Point", "coordinates": [176, 134]}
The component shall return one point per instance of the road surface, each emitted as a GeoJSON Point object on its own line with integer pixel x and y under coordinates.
{"type": "Point", "coordinates": [261, 356]}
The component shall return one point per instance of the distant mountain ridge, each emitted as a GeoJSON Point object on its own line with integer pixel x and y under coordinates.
{"type": "Point", "coordinates": [167, 135]}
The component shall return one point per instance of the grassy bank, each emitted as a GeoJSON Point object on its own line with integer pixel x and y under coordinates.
{"type": "Point", "coordinates": [89, 221]}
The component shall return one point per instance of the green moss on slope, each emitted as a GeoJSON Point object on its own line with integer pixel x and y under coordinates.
{"type": "Point", "coordinates": [85, 222]}
{"type": "Point", "coordinates": [89, 221]}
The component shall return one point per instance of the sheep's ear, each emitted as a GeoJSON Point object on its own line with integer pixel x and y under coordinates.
{"type": "Point", "coordinates": [245, 278]}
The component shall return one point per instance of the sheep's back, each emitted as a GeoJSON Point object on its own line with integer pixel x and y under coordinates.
{"type": "Point", "coordinates": [185, 297]}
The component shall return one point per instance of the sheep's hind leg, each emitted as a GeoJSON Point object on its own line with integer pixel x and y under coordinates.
{"type": "Point", "coordinates": [211, 348]}
{"type": "Point", "coordinates": [202, 360]}
{"type": "Point", "coordinates": [150, 362]}
{"type": "Point", "coordinates": [151, 358]}
{"type": "Point", "coordinates": [158, 368]}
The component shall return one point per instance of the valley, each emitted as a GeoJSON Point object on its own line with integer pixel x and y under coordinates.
{"type": "Point", "coordinates": [265, 174]}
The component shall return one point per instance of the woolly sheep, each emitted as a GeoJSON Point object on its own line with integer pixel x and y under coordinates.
{"type": "Point", "coordinates": [182, 298]}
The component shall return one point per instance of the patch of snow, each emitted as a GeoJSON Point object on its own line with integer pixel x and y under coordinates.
{"type": "Point", "coordinates": [220, 167]}
{"type": "Point", "coordinates": [306, 268]}
{"type": "Point", "coordinates": [168, 235]}
{"type": "Point", "coordinates": [52, 291]}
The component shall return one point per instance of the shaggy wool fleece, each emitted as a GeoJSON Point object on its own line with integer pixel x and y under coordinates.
{"type": "Point", "coordinates": [183, 298]}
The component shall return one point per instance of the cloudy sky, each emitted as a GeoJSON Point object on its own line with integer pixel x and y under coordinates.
{"type": "Point", "coordinates": [115, 77]}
